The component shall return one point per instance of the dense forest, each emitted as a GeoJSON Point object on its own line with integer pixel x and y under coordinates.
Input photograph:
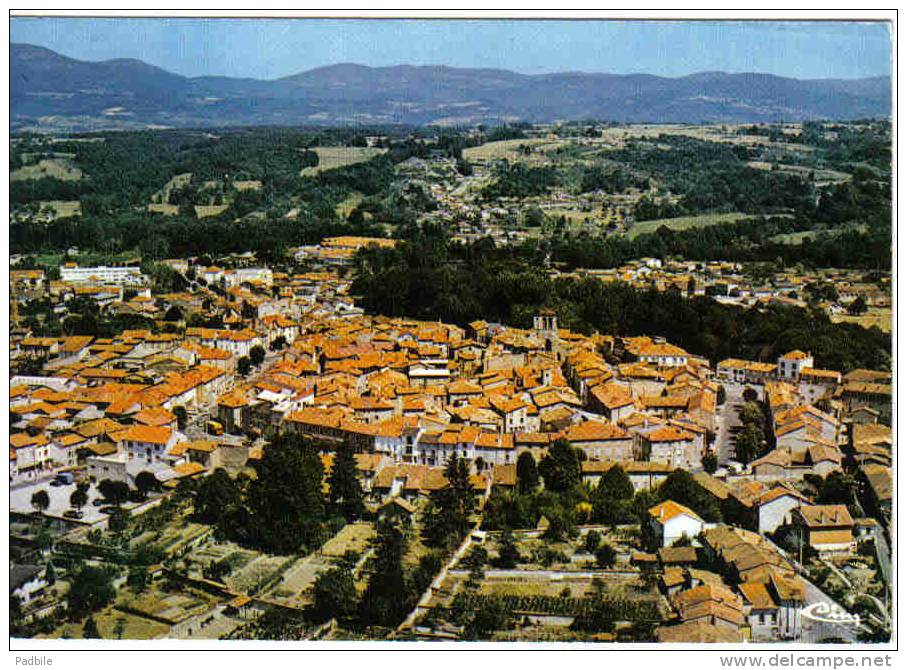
{"type": "Point", "coordinates": [431, 279]}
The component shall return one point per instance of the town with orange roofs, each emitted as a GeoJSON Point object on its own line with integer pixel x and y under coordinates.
{"type": "Point", "coordinates": [232, 471]}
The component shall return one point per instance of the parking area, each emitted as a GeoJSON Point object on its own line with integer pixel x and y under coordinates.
{"type": "Point", "coordinates": [20, 501]}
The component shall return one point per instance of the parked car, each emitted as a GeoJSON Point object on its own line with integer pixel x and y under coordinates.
{"type": "Point", "coordinates": [97, 502]}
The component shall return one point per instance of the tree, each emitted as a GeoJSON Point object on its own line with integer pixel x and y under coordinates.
{"type": "Point", "coordinates": [78, 499]}
{"type": "Point", "coordinates": [216, 496]}
{"type": "Point", "coordinates": [334, 595]}
{"type": "Point", "coordinates": [182, 416]}
{"type": "Point", "coordinates": [836, 489]}
{"type": "Point", "coordinates": [278, 343]}
{"type": "Point", "coordinates": [527, 473]}
{"type": "Point", "coordinates": [50, 574]}
{"type": "Point", "coordinates": [118, 521]}
{"type": "Point", "coordinates": [343, 483]}
{"type": "Point", "coordinates": [490, 615]}
{"type": "Point", "coordinates": [615, 484]}
{"type": "Point", "coordinates": [560, 467]}
{"type": "Point", "coordinates": [137, 579]}
{"type": "Point", "coordinates": [605, 556]}
{"type": "Point", "coordinates": [243, 366]}
{"type": "Point", "coordinates": [385, 600]}
{"type": "Point", "coordinates": [592, 541]}
{"type": "Point", "coordinates": [257, 355]}
{"type": "Point", "coordinates": [710, 462]}
{"type": "Point", "coordinates": [721, 395]}
{"type": "Point", "coordinates": [90, 590]}
{"type": "Point", "coordinates": [748, 443]}
{"type": "Point", "coordinates": [508, 553]}
{"type": "Point", "coordinates": [286, 497]}
{"type": "Point", "coordinates": [146, 482]}
{"type": "Point", "coordinates": [680, 487]}
{"type": "Point", "coordinates": [40, 500]}
{"type": "Point", "coordinates": [475, 560]}
{"type": "Point", "coordinates": [173, 313]}
{"type": "Point", "coordinates": [612, 498]}
{"type": "Point", "coordinates": [447, 517]}
{"type": "Point", "coordinates": [858, 306]}
{"type": "Point", "coordinates": [90, 630]}
{"type": "Point", "coordinates": [114, 492]}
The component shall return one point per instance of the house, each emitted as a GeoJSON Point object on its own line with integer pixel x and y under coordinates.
{"type": "Point", "coordinates": [774, 507]}
{"type": "Point", "coordinates": [26, 582]}
{"type": "Point", "coordinates": [710, 604]}
{"type": "Point", "coordinates": [782, 463]}
{"type": "Point", "coordinates": [697, 632]}
{"type": "Point", "coordinates": [828, 529]}
{"type": "Point", "coordinates": [397, 509]}
{"type": "Point", "coordinates": [792, 363]}
{"type": "Point", "coordinates": [601, 441]}
{"type": "Point", "coordinates": [662, 354]}
{"type": "Point", "coordinates": [671, 521]}
{"type": "Point", "coordinates": [148, 443]}
{"type": "Point", "coordinates": [612, 401]}
{"type": "Point", "coordinates": [669, 445]}
{"type": "Point", "coordinates": [876, 488]}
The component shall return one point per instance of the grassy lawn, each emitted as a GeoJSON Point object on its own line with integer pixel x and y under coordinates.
{"type": "Point", "coordinates": [330, 158]}
{"type": "Point", "coordinates": [685, 222]}
{"type": "Point", "coordinates": [59, 168]}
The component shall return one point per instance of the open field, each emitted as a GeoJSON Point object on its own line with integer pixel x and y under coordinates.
{"type": "Point", "coordinates": [712, 133]}
{"type": "Point", "coordinates": [685, 222]}
{"type": "Point", "coordinates": [204, 211]}
{"type": "Point", "coordinates": [346, 206]}
{"type": "Point", "coordinates": [510, 150]}
{"type": "Point", "coordinates": [799, 237]}
{"type": "Point", "coordinates": [58, 168]}
{"type": "Point", "coordinates": [818, 175]}
{"type": "Point", "coordinates": [178, 181]}
{"type": "Point", "coordinates": [876, 316]}
{"type": "Point", "coordinates": [62, 208]}
{"type": "Point", "coordinates": [330, 158]}
{"type": "Point", "coordinates": [163, 208]}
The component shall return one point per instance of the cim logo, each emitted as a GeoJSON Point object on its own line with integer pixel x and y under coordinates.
{"type": "Point", "coordinates": [830, 613]}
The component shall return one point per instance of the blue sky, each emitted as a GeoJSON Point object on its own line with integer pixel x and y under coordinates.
{"type": "Point", "coordinates": [270, 48]}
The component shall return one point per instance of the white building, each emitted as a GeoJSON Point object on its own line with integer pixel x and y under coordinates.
{"type": "Point", "coordinates": [124, 276]}
{"type": "Point", "coordinates": [670, 521]}
{"type": "Point", "coordinates": [792, 363]}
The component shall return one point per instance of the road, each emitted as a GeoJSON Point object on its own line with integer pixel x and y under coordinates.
{"type": "Point", "coordinates": [727, 421]}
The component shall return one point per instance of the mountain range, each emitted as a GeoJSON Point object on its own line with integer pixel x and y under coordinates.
{"type": "Point", "coordinates": [50, 91]}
